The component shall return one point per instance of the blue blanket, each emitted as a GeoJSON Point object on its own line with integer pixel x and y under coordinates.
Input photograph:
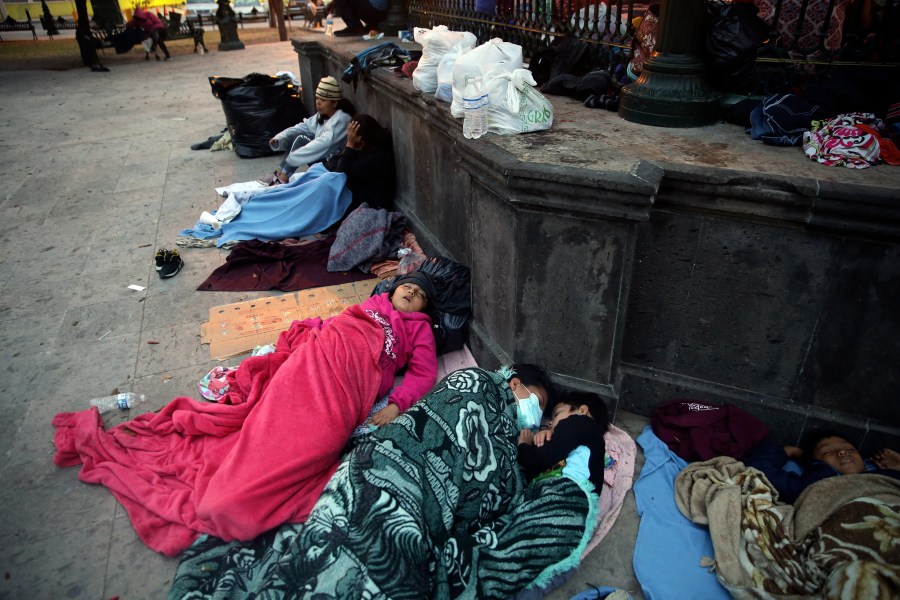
{"type": "Point", "coordinates": [310, 204]}
{"type": "Point", "coordinates": [669, 547]}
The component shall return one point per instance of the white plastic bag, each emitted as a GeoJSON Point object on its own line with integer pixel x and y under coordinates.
{"type": "Point", "coordinates": [435, 43]}
{"type": "Point", "coordinates": [477, 61]}
{"type": "Point", "coordinates": [444, 91]}
{"type": "Point", "coordinates": [514, 105]}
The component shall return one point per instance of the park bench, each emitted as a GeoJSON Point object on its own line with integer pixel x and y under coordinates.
{"type": "Point", "coordinates": [10, 24]}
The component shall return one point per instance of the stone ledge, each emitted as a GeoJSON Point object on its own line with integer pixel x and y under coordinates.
{"type": "Point", "coordinates": [620, 169]}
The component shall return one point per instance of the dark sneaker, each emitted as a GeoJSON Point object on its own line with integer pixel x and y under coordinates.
{"type": "Point", "coordinates": [168, 263]}
{"type": "Point", "coordinates": [351, 31]}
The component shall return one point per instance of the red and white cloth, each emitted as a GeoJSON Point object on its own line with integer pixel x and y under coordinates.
{"type": "Point", "coordinates": [852, 140]}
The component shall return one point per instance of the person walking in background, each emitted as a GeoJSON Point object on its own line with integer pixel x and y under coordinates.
{"type": "Point", "coordinates": [150, 23]}
{"type": "Point", "coordinates": [355, 12]}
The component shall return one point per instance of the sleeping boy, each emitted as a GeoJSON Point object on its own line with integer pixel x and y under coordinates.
{"type": "Point", "coordinates": [824, 454]}
{"type": "Point", "coordinates": [573, 446]}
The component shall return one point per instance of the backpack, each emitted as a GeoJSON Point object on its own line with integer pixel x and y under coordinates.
{"type": "Point", "coordinates": [386, 54]}
{"type": "Point", "coordinates": [698, 430]}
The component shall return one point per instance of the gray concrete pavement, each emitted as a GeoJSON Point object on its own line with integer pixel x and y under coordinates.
{"type": "Point", "coordinates": [97, 175]}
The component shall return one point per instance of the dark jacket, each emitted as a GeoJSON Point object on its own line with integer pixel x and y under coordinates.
{"type": "Point", "coordinates": [770, 458]}
{"type": "Point", "coordinates": [370, 175]}
{"type": "Point", "coordinates": [574, 431]}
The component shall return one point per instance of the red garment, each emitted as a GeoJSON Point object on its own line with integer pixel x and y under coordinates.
{"type": "Point", "coordinates": [698, 430]}
{"type": "Point", "coordinates": [254, 461]}
{"type": "Point", "coordinates": [146, 20]}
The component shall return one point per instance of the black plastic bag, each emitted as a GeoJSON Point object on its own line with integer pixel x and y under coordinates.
{"type": "Point", "coordinates": [452, 308]}
{"type": "Point", "coordinates": [257, 107]}
{"type": "Point", "coordinates": [734, 34]}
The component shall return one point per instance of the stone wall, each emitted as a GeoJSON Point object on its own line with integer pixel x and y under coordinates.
{"type": "Point", "coordinates": [654, 281]}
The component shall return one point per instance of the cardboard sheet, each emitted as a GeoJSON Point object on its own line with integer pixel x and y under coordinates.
{"type": "Point", "coordinates": [234, 329]}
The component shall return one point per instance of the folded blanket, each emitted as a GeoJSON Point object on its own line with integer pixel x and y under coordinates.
{"type": "Point", "coordinates": [838, 540]}
{"type": "Point", "coordinates": [430, 506]}
{"type": "Point", "coordinates": [257, 459]}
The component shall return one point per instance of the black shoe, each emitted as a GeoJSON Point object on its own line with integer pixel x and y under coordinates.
{"type": "Point", "coordinates": [168, 263]}
{"type": "Point", "coordinates": [350, 31]}
{"type": "Point", "coordinates": [168, 57]}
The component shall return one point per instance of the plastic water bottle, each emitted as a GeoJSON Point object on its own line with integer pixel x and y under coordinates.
{"type": "Point", "coordinates": [329, 26]}
{"type": "Point", "coordinates": [121, 401]}
{"type": "Point", "coordinates": [475, 102]}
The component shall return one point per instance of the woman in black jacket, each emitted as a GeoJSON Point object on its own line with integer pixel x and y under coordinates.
{"type": "Point", "coordinates": [368, 162]}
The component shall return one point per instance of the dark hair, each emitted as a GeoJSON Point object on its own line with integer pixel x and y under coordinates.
{"type": "Point", "coordinates": [346, 106]}
{"type": "Point", "coordinates": [811, 440]}
{"type": "Point", "coordinates": [371, 132]}
{"type": "Point", "coordinates": [594, 403]}
{"type": "Point", "coordinates": [530, 374]}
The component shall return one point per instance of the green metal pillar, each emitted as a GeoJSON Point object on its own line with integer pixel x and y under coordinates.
{"type": "Point", "coordinates": [672, 90]}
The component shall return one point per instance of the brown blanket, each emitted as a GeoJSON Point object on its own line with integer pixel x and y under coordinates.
{"type": "Point", "coordinates": [840, 539]}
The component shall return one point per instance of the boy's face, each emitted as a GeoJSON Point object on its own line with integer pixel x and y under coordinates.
{"type": "Point", "coordinates": [840, 454]}
{"type": "Point", "coordinates": [564, 411]}
{"type": "Point", "coordinates": [326, 107]}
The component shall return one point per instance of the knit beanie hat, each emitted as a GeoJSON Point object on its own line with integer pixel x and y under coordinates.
{"type": "Point", "coordinates": [328, 89]}
{"type": "Point", "coordinates": [420, 279]}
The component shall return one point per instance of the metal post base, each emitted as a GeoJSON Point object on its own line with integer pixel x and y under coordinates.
{"type": "Point", "coordinates": [670, 93]}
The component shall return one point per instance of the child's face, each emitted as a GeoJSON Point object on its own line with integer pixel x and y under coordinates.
{"type": "Point", "coordinates": [840, 454]}
{"type": "Point", "coordinates": [409, 297]}
{"type": "Point", "coordinates": [564, 411]}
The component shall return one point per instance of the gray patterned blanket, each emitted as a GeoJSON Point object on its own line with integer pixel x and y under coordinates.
{"type": "Point", "coordinates": [839, 540]}
{"type": "Point", "coordinates": [431, 506]}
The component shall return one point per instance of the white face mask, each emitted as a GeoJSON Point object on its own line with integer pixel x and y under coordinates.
{"type": "Point", "coordinates": [528, 411]}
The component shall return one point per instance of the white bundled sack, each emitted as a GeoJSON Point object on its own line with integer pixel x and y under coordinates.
{"type": "Point", "coordinates": [477, 61]}
{"type": "Point", "coordinates": [444, 91]}
{"type": "Point", "coordinates": [435, 43]}
{"type": "Point", "coordinates": [514, 105]}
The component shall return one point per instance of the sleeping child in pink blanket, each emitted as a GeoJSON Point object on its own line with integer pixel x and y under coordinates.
{"type": "Point", "coordinates": [261, 456]}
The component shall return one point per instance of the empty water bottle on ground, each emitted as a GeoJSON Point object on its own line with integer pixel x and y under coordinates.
{"type": "Point", "coordinates": [475, 101]}
{"type": "Point", "coordinates": [121, 401]}
{"type": "Point", "coordinates": [329, 26]}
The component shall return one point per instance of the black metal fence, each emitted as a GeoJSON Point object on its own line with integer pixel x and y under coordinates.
{"type": "Point", "coordinates": [832, 32]}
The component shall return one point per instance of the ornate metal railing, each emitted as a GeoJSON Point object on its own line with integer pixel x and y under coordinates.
{"type": "Point", "coordinates": [535, 23]}
{"type": "Point", "coordinates": [799, 31]}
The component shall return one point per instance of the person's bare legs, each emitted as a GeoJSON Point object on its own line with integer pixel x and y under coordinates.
{"type": "Point", "coordinates": [887, 459]}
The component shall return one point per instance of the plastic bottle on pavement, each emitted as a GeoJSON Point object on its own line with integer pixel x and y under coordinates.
{"type": "Point", "coordinates": [120, 401]}
{"type": "Point", "coordinates": [329, 26]}
{"type": "Point", "coordinates": [475, 102]}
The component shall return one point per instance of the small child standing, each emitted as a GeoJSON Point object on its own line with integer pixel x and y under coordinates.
{"type": "Point", "coordinates": [573, 446]}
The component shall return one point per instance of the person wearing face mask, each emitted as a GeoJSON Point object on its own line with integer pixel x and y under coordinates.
{"type": "Point", "coordinates": [315, 138]}
{"type": "Point", "coordinates": [572, 446]}
{"type": "Point", "coordinates": [822, 454]}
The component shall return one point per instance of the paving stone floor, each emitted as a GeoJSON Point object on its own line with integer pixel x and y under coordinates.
{"type": "Point", "coordinates": [97, 175]}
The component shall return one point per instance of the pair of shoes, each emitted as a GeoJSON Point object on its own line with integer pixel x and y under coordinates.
{"type": "Point", "coordinates": [351, 31]}
{"type": "Point", "coordinates": [168, 263]}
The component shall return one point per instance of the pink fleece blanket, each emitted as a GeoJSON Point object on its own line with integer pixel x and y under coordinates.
{"type": "Point", "coordinates": [257, 459]}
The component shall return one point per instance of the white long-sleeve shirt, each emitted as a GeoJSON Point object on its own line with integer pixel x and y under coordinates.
{"type": "Point", "coordinates": [328, 138]}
